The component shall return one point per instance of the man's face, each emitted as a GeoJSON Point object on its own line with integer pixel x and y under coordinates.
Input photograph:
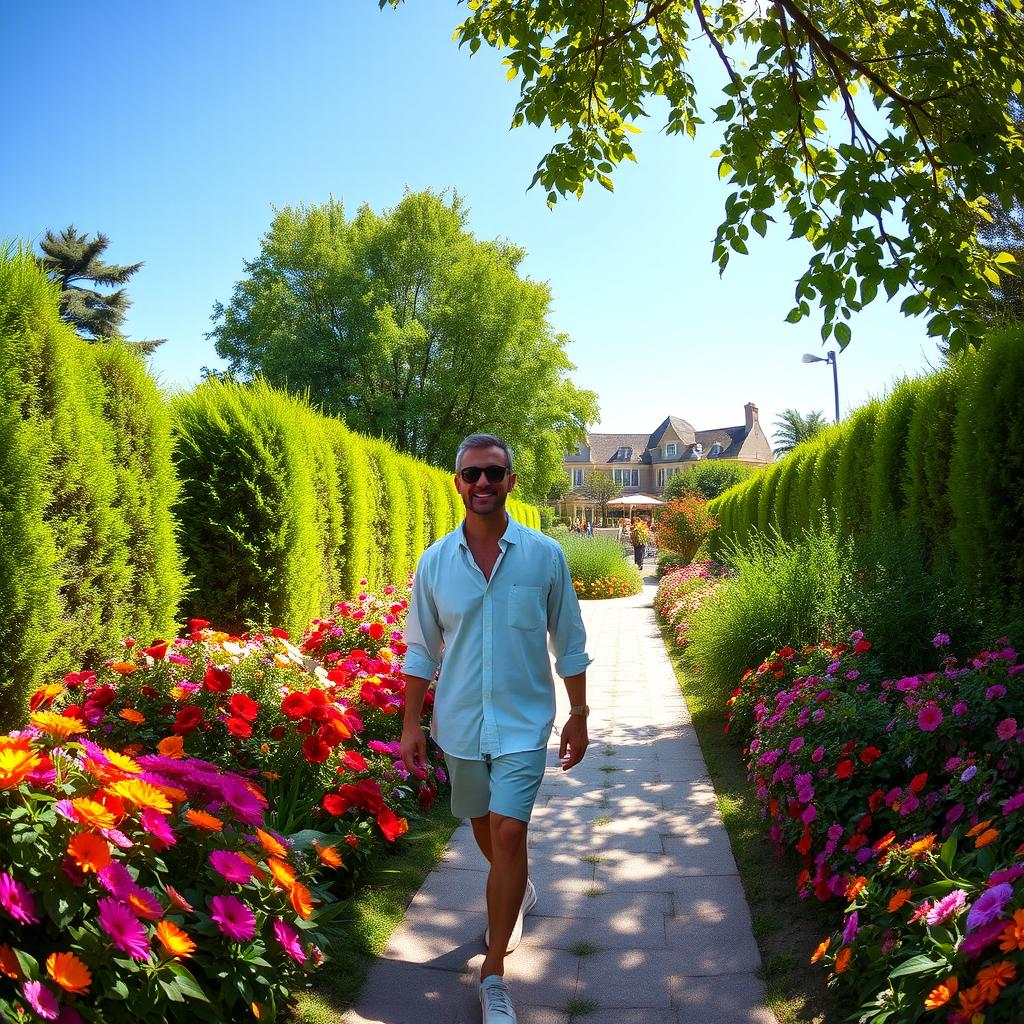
{"type": "Point", "coordinates": [484, 497]}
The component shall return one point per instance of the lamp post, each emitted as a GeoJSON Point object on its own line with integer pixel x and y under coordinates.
{"type": "Point", "coordinates": [830, 357]}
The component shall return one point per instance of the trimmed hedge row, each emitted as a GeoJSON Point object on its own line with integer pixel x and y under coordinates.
{"type": "Point", "coordinates": [943, 455]}
{"type": "Point", "coordinates": [87, 540]}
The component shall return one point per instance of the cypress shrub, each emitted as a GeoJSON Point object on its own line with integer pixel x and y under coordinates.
{"type": "Point", "coordinates": [888, 468]}
{"type": "Point", "coordinates": [852, 493]}
{"type": "Point", "coordinates": [29, 609]}
{"type": "Point", "coordinates": [389, 526]}
{"type": "Point", "coordinates": [356, 495]}
{"type": "Point", "coordinates": [766, 519]}
{"type": "Point", "coordinates": [746, 522]}
{"type": "Point", "coordinates": [826, 465]}
{"type": "Point", "coordinates": [416, 524]}
{"type": "Point", "coordinates": [799, 515]}
{"type": "Point", "coordinates": [147, 489]}
{"type": "Point", "coordinates": [784, 491]}
{"type": "Point", "coordinates": [249, 529]}
{"type": "Point", "coordinates": [436, 487]}
{"type": "Point", "coordinates": [987, 469]}
{"type": "Point", "coordinates": [458, 510]}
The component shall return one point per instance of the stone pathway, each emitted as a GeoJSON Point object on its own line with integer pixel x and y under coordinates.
{"type": "Point", "coordinates": [641, 917]}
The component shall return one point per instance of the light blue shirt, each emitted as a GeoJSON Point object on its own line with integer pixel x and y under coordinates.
{"type": "Point", "coordinates": [495, 694]}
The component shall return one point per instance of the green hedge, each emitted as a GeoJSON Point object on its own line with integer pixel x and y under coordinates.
{"type": "Point", "coordinates": [942, 457]}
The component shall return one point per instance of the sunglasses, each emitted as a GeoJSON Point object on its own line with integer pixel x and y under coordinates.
{"type": "Point", "coordinates": [494, 474]}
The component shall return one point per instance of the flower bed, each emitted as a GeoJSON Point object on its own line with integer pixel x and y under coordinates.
{"type": "Point", "coordinates": [165, 817]}
{"type": "Point", "coordinates": [598, 568]}
{"type": "Point", "coordinates": [905, 800]}
{"type": "Point", "coordinates": [681, 590]}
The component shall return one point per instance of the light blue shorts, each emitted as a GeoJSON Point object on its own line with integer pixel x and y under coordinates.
{"type": "Point", "coordinates": [506, 784]}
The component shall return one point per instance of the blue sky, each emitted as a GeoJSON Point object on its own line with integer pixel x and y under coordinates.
{"type": "Point", "coordinates": [176, 129]}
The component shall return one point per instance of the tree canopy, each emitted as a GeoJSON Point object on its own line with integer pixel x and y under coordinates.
{"type": "Point", "coordinates": [407, 326]}
{"type": "Point", "coordinates": [600, 488]}
{"type": "Point", "coordinates": [879, 129]}
{"type": "Point", "coordinates": [793, 428]}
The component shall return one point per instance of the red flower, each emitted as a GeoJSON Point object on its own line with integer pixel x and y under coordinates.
{"type": "Point", "coordinates": [352, 840]}
{"type": "Point", "coordinates": [281, 634]}
{"type": "Point", "coordinates": [804, 846]}
{"type": "Point", "coordinates": [244, 706]}
{"type": "Point", "coordinates": [339, 675]}
{"type": "Point", "coordinates": [869, 754]}
{"type": "Point", "coordinates": [187, 719]}
{"type": "Point", "coordinates": [844, 769]}
{"type": "Point", "coordinates": [376, 630]}
{"type": "Point", "coordinates": [278, 732]}
{"type": "Point", "coordinates": [217, 679]}
{"type": "Point", "coordinates": [102, 695]}
{"type": "Point", "coordinates": [918, 782]}
{"type": "Point", "coordinates": [354, 761]}
{"type": "Point", "coordinates": [391, 825]}
{"type": "Point", "coordinates": [861, 647]}
{"type": "Point", "coordinates": [315, 750]}
{"type": "Point", "coordinates": [787, 653]}
{"type": "Point", "coordinates": [239, 727]}
{"type": "Point", "coordinates": [328, 734]}
{"type": "Point", "coordinates": [197, 624]}
{"type": "Point", "coordinates": [875, 800]}
{"type": "Point", "coordinates": [296, 705]}
{"type": "Point", "coordinates": [158, 651]}
{"type": "Point", "coordinates": [426, 796]}
{"type": "Point", "coordinates": [335, 804]}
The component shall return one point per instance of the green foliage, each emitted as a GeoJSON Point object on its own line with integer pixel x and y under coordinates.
{"type": "Point", "coordinates": [409, 328]}
{"type": "Point", "coordinates": [889, 458]}
{"type": "Point", "coordinates": [826, 465]}
{"type": "Point", "coordinates": [683, 525]}
{"type": "Point", "coordinates": [145, 495]}
{"type": "Point", "coordinates": [599, 568]}
{"type": "Point", "coordinates": [873, 152]}
{"type": "Point", "coordinates": [389, 528]}
{"type": "Point", "coordinates": [785, 496]}
{"type": "Point", "coordinates": [416, 526]}
{"type": "Point", "coordinates": [852, 490]}
{"type": "Point", "coordinates": [793, 429]}
{"type": "Point", "coordinates": [707, 479]}
{"type": "Point", "coordinates": [546, 517]}
{"type": "Point", "coordinates": [354, 496]}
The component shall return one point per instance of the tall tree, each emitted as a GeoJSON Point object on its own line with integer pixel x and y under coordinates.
{"type": "Point", "coordinates": [872, 128]}
{"type": "Point", "coordinates": [73, 259]}
{"type": "Point", "coordinates": [407, 326]}
{"type": "Point", "coordinates": [793, 428]}
{"type": "Point", "coordinates": [600, 488]}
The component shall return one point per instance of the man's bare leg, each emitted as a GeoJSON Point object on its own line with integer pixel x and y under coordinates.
{"type": "Point", "coordinates": [482, 834]}
{"type": "Point", "coordinates": [506, 884]}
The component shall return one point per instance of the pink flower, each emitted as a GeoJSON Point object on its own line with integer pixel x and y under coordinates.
{"type": "Point", "coordinates": [289, 939]}
{"type": "Point", "coordinates": [41, 999]}
{"type": "Point", "coordinates": [929, 718]}
{"type": "Point", "coordinates": [117, 880]}
{"type": "Point", "coordinates": [795, 744]}
{"type": "Point", "coordinates": [156, 824]}
{"type": "Point", "coordinates": [995, 692]}
{"type": "Point", "coordinates": [233, 918]}
{"type": "Point", "coordinates": [233, 867]}
{"type": "Point", "coordinates": [17, 900]}
{"type": "Point", "coordinates": [818, 754]}
{"type": "Point", "coordinates": [1009, 874]}
{"type": "Point", "coordinates": [979, 940]}
{"type": "Point", "coordinates": [1007, 729]}
{"type": "Point", "coordinates": [1015, 803]}
{"type": "Point", "coordinates": [124, 929]}
{"type": "Point", "coordinates": [960, 709]}
{"type": "Point", "coordinates": [947, 907]}
{"type": "Point", "coordinates": [940, 640]}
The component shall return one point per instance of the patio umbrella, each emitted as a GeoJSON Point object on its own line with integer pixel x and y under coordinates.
{"type": "Point", "coordinates": [638, 500]}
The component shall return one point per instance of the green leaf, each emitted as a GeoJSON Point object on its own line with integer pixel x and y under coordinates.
{"type": "Point", "coordinates": [187, 983]}
{"type": "Point", "coordinates": [843, 334]}
{"type": "Point", "coordinates": [917, 965]}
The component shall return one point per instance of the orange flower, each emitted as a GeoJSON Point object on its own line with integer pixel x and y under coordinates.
{"type": "Point", "coordinates": [172, 746]}
{"type": "Point", "coordinates": [254, 864]}
{"type": "Point", "coordinates": [922, 845]}
{"type": "Point", "coordinates": [133, 716]}
{"type": "Point", "coordinates": [273, 776]}
{"type": "Point", "coordinates": [980, 827]}
{"type": "Point", "coordinates": [133, 749]}
{"type": "Point", "coordinates": [821, 950]}
{"type": "Point", "coordinates": [992, 979]}
{"type": "Point", "coordinates": [15, 765]}
{"type": "Point", "coordinates": [843, 958]}
{"type": "Point", "coordinates": [1013, 935]}
{"type": "Point", "coordinates": [55, 725]}
{"type": "Point", "coordinates": [89, 852]}
{"type": "Point", "coordinates": [856, 887]}
{"type": "Point", "coordinates": [44, 696]}
{"type": "Point", "coordinates": [971, 1002]}
{"type": "Point", "coordinates": [898, 899]}
{"type": "Point", "coordinates": [941, 994]}
{"type": "Point", "coordinates": [270, 844]}
{"type": "Point", "coordinates": [93, 814]}
{"type": "Point", "coordinates": [69, 972]}
{"type": "Point", "coordinates": [9, 963]}
{"type": "Point", "coordinates": [174, 939]}
{"type": "Point", "coordinates": [124, 668]}
{"type": "Point", "coordinates": [328, 855]}
{"type": "Point", "coordinates": [142, 794]}
{"type": "Point", "coordinates": [302, 902]}
{"type": "Point", "coordinates": [203, 820]}
{"type": "Point", "coordinates": [119, 761]}
{"type": "Point", "coordinates": [284, 873]}
{"type": "Point", "coordinates": [986, 837]}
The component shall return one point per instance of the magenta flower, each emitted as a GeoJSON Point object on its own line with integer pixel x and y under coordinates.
{"type": "Point", "coordinates": [995, 692]}
{"type": "Point", "coordinates": [1009, 874]}
{"type": "Point", "coordinates": [959, 709]}
{"type": "Point", "coordinates": [289, 939]}
{"type": "Point", "coordinates": [231, 866]}
{"type": "Point", "coordinates": [979, 940]}
{"type": "Point", "coordinates": [1007, 729]}
{"type": "Point", "coordinates": [117, 880]}
{"type": "Point", "coordinates": [940, 640]}
{"type": "Point", "coordinates": [156, 824]}
{"type": "Point", "coordinates": [233, 918]}
{"type": "Point", "coordinates": [1015, 803]}
{"type": "Point", "coordinates": [17, 900]}
{"type": "Point", "coordinates": [851, 928]}
{"type": "Point", "coordinates": [989, 905]}
{"type": "Point", "coordinates": [942, 910]}
{"type": "Point", "coordinates": [795, 744]}
{"type": "Point", "coordinates": [41, 999]}
{"type": "Point", "coordinates": [929, 718]}
{"type": "Point", "coordinates": [818, 754]}
{"type": "Point", "coordinates": [124, 929]}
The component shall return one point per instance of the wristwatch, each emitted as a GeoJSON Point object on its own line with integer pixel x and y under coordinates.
{"type": "Point", "coordinates": [580, 709]}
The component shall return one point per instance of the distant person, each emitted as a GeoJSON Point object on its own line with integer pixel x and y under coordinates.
{"type": "Point", "coordinates": [640, 537]}
{"type": "Point", "coordinates": [590, 527]}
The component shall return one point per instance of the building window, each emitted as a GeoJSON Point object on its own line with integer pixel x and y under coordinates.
{"type": "Point", "coordinates": [626, 477]}
{"type": "Point", "coordinates": [661, 477]}
{"type": "Point", "coordinates": [577, 478]}
{"type": "Point", "coordinates": [670, 450]}
{"type": "Point", "coordinates": [715, 451]}
{"type": "Point", "coordinates": [624, 454]}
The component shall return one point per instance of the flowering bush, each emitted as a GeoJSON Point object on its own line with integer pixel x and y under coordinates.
{"type": "Point", "coordinates": [682, 590]}
{"type": "Point", "coordinates": [598, 568]}
{"type": "Point", "coordinates": [133, 887]}
{"type": "Point", "coordinates": [682, 525]}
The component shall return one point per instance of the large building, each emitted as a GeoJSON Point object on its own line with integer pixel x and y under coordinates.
{"type": "Point", "coordinates": [644, 463]}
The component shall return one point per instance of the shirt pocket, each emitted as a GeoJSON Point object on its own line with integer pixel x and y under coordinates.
{"type": "Point", "coordinates": [526, 608]}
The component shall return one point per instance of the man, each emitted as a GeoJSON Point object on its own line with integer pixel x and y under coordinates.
{"type": "Point", "coordinates": [488, 595]}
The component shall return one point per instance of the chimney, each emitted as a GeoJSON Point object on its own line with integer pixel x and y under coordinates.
{"type": "Point", "coordinates": [750, 415]}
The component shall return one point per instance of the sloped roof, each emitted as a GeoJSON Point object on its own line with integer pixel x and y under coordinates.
{"type": "Point", "coordinates": [730, 438]}
{"type": "Point", "coordinates": [684, 431]}
{"type": "Point", "coordinates": [603, 447]}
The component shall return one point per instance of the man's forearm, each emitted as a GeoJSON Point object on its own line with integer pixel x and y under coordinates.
{"type": "Point", "coordinates": [415, 693]}
{"type": "Point", "coordinates": [576, 688]}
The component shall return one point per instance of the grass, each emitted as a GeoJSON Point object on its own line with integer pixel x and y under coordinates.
{"type": "Point", "coordinates": [786, 928]}
{"type": "Point", "coordinates": [602, 820]}
{"type": "Point", "coordinates": [373, 914]}
{"type": "Point", "coordinates": [593, 858]}
{"type": "Point", "coordinates": [594, 891]}
{"type": "Point", "coordinates": [577, 1007]}
{"type": "Point", "coordinates": [583, 948]}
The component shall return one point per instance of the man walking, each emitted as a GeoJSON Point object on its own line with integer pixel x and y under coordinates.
{"type": "Point", "coordinates": [487, 597]}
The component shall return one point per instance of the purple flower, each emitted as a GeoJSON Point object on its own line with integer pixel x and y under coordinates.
{"type": "Point", "coordinates": [940, 640]}
{"type": "Point", "coordinates": [833, 668]}
{"type": "Point", "coordinates": [1015, 803]}
{"type": "Point", "coordinates": [995, 692]}
{"type": "Point", "coordinates": [959, 709]}
{"type": "Point", "coordinates": [989, 905]}
{"type": "Point", "coordinates": [1007, 728]}
{"type": "Point", "coordinates": [946, 908]}
{"type": "Point", "coordinates": [968, 773]}
{"type": "Point", "coordinates": [853, 674]}
{"type": "Point", "coordinates": [929, 718]}
{"type": "Point", "coordinates": [808, 815]}
{"type": "Point", "coordinates": [818, 754]}
{"type": "Point", "coordinates": [1009, 874]}
{"type": "Point", "coordinates": [982, 938]}
{"type": "Point", "coordinates": [41, 999]}
{"type": "Point", "coordinates": [835, 832]}
{"type": "Point", "coordinates": [795, 744]}
{"type": "Point", "coordinates": [851, 928]}
{"type": "Point", "coordinates": [857, 634]}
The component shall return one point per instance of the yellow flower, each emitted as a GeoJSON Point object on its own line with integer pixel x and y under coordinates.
{"type": "Point", "coordinates": [56, 725]}
{"type": "Point", "coordinates": [125, 764]}
{"type": "Point", "coordinates": [142, 794]}
{"type": "Point", "coordinates": [15, 765]}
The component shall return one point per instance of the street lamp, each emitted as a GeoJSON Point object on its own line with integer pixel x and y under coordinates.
{"type": "Point", "coordinates": [830, 357]}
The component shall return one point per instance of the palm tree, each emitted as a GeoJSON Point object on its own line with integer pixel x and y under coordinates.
{"type": "Point", "coordinates": [72, 259]}
{"type": "Point", "coordinates": [792, 428]}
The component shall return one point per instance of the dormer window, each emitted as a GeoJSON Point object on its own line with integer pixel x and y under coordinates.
{"type": "Point", "coordinates": [624, 454]}
{"type": "Point", "coordinates": [715, 451]}
{"type": "Point", "coordinates": [670, 450]}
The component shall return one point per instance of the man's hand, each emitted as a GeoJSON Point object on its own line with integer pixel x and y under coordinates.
{"type": "Point", "coordinates": [413, 751]}
{"type": "Point", "coordinates": [574, 742]}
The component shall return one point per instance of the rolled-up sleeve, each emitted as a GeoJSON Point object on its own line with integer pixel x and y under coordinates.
{"type": "Point", "coordinates": [422, 630]}
{"type": "Point", "coordinates": [567, 636]}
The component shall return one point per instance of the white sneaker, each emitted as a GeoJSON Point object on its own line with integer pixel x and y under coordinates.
{"type": "Point", "coordinates": [495, 1002]}
{"type": "Point", "coordinates": [529, 902]}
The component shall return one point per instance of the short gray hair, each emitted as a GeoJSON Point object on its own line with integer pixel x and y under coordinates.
{"type": "Point", "coordinates": [484, 441]}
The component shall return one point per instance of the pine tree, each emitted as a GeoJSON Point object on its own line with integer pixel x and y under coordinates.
{"type": "Point", "coordinates": [72, 259]}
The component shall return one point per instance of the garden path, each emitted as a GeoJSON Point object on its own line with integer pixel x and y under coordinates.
{"type": "Point", "coordinates": [641, 917]}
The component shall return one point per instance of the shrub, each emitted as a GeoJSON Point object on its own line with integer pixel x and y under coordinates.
{"type": "Point", "coordinates": [547, 517]}
{"type": "Point", "coordinates": [391, 514]}
{"type": "Point", "coordinates": [708, 479]}
{"type": "Point", "coordinates": [683, 525]}
{"type": "Point", "coordinates": [598, 568]}
{"type": "Point", "coordinates": [890, 455]}
{"type": "Point", "coordinates": [683, 590]}
{"type": "Point", "coordinates": [353, 473]}
{"type": "Point", "coordinates": [766, 515]}
{"type": "Point", "coordinates": [852, 499]}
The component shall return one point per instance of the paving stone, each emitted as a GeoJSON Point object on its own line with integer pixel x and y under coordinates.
{"type": "Point", "coordinates": [629, 979]}
{"type": "Point", "coordinates": [639, 1016]}
{"type": "Point", "coordinates": [396, 993]}
{"type": "Point", "coordinates": [446, 939]}
{"type": "Point", "coordinates": [737, 999]}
